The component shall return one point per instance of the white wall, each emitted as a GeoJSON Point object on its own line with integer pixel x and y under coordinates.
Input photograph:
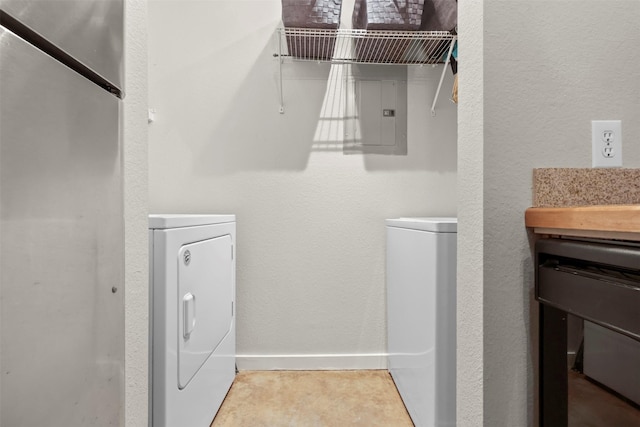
{"type": "Point", "coordinates": [548, 69]}
{"type": "Point", "coordinates": [310, 219]}
{"type": "Point", "coordinates": [135, 215]}
{"type": "Point", "coordinates": [470, 318]}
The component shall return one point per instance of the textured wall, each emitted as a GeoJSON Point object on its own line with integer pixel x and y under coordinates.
{"type": "Point", "coordinates": [310, 267]}
{"type": "Point", "coordinates": [470, 216]}
{"type": "Point", "coordinates": [549, 68]}
{"type": "Point", "coordinates": [135, 211]}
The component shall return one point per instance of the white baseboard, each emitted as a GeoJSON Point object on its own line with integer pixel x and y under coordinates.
{"type": "Point", "coordinates": [311, 362]}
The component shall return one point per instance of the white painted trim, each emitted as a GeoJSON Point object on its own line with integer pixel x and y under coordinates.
{"type": "Point", "coordinates": [311, 362]}
{"type": "Point", "coordinates": [135, 167]}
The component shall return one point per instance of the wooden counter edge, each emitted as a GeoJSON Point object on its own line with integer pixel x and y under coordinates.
{"type": "Point", "coordinates": [604, 218]}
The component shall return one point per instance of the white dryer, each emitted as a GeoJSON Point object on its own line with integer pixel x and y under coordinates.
{"type": "Point", "coordinates": [421, 316]}
{"type": "Point", "coordinates": [192, 281]}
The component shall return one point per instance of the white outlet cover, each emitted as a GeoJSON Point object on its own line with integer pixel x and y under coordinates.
{"type": "Point", "coordinates": [606, 143]}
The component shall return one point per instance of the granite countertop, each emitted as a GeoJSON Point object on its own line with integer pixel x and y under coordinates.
{"type": "Point", "coordinates": [600, 203]}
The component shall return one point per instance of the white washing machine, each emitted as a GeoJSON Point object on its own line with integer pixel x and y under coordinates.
{"type": "Point", "coordinates": [421, 316]}
{"type": "Point", "coordinates": [192, 281]}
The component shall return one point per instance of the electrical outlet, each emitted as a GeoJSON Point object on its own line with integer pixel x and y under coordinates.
{"type": "Point", "coordinates": [606, 143]}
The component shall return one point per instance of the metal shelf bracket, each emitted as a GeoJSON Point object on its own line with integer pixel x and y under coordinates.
{"type": "Point", "coordinates": [444, 70]}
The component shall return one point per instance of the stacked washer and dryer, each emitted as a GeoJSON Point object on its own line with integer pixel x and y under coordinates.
{"type": "Point", "coordinates": [421, 316]}
{"type": "Point", "coordinates": [193, 290]}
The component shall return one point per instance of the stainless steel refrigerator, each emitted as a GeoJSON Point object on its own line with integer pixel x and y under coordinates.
{"type": "Point", "coordinates": [61, 205]}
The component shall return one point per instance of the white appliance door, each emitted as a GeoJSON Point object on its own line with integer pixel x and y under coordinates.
{"type": "Point", "coordinates": [205, 293]}
{"type": "Point", "coordinates": [88, 30]}
{"type": "Point", "coordinates": [61, 245]}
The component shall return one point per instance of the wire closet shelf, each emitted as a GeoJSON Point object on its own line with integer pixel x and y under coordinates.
{"type": "Point", "coordinates": [356, 46]}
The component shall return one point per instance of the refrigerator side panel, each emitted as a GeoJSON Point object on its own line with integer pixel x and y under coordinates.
{"type": "Point", "coordinates": [61, 246]}
{"type": "Point", "coordinates": [89, 30]}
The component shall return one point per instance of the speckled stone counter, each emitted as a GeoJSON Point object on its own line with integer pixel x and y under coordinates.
{"type": "Point", "coordinates": [598, 203]}
{"type": "Point", "coordinates": [559, 187]}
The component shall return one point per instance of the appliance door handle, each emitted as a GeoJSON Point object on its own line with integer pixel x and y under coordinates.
{"type": "Point", "coordinates": [189, 314]}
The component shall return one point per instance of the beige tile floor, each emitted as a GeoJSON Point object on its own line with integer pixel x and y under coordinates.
{"type": "Point", "coordinates": [312, 398]}
{"type": "Point", "coordinates": [369, 398]}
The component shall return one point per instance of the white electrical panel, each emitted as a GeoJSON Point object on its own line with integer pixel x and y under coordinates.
{"type": "Point", "coordinates": [377, 108]}
{"type": "Point", "coordinates": [376, 111]}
